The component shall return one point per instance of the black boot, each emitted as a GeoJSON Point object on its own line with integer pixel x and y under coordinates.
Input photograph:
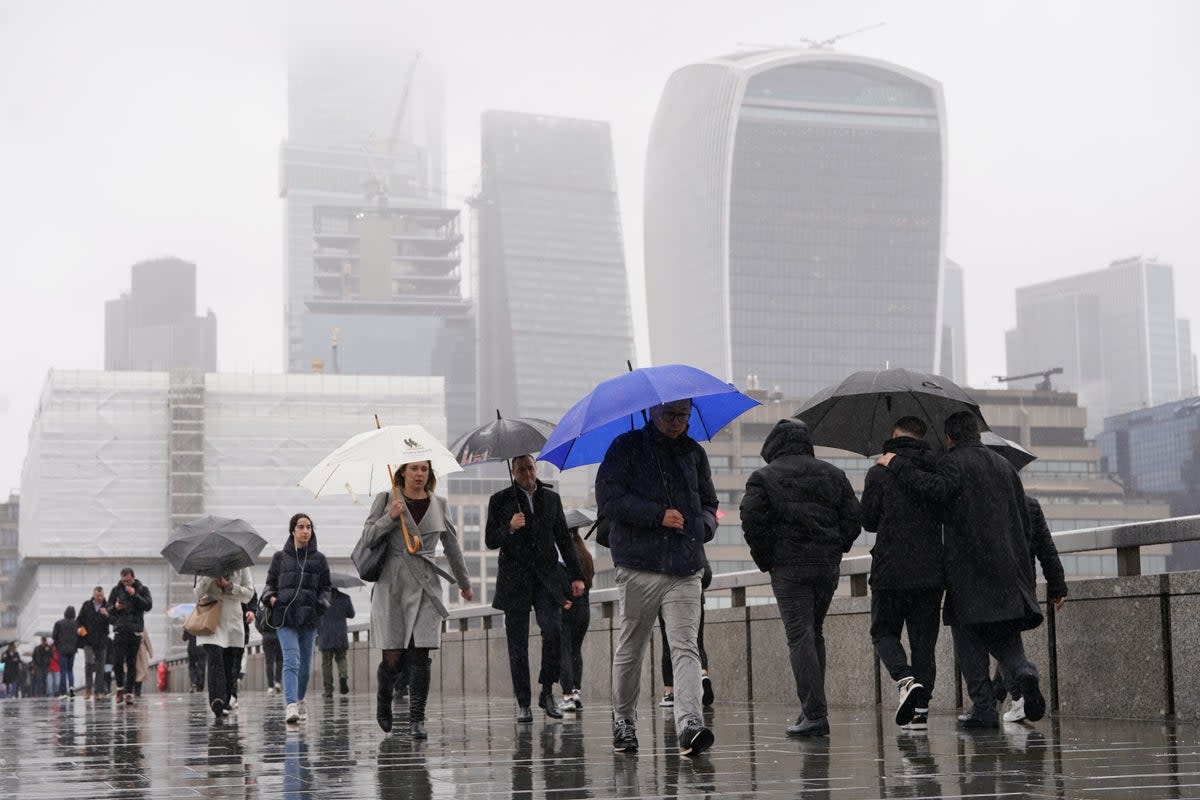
{"type": "Point", "coordinates": [418, 693]}
{"type": "Point", "coordinates": [343, 686]}
{"type": "Point", "coordinates": [384, 679]}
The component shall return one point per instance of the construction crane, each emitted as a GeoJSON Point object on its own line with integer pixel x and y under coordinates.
{"type": "Point", "coordinates": [1042, 386]}
{"type": "Point", "coordinates": [377, 186]}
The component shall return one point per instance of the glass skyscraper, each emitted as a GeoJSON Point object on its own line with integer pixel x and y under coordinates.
{"type": "Point", "coordinates": [794, 218]}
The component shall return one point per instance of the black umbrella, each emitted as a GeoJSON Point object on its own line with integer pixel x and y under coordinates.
{"type": "Point", "coordinates": [213, 546]}
{"type": "Point", "coordinates": [7, 642]}
{"type": "Point", "coordinates": [44, 635]}
{"type": "Point", "coordinates": [501, 440]}
{"type": "Point", "coordinates": [580, 517]}
{"type": "Point", "coordinates": [858, 413]}
{"type": "Point", "coordinates": [1016, 455]}
{"type": "Point", "coordinates": [344, 580]}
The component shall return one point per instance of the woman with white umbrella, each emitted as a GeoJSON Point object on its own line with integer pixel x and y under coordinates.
{"type": "Point", "coordinates": [406, 605]}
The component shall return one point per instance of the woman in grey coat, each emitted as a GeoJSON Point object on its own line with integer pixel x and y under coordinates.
{"type": "Point", "coordinates": [406, 604]}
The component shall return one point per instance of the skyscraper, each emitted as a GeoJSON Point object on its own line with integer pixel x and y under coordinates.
{"type": "Point", "coordinates": [794, 218]}
{"type": "Point", "coordinates": [954, 324]}
{"type": "Point", "coordinates": [1113, 331]}
{"type": "Point", "coordinates": [553, 293]}
{"type": "Point", "coordinates": [154, 326]}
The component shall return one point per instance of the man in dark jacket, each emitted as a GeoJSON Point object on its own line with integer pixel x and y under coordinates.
{"type": "Point", "coordinates": [526, 523]}
{"type": "Point", "coordinates": [799, 515]}
{"type": "Point", "coordinates": [333, 640]}
{"type": "Point", "coordinates": [66, 642]}
{"type": "Point", "coordinates": [43, 654]}
{"type": "Point", "coordinates": [94, 619]}
{"type": "Point", "coordinates": [906, 574]}
{"type": "Point", "coordinates": [654, 489]}
{"type": "Point", "coordinates": [128, 603]}
{"type": "Point", "coordinates": [989, 572]}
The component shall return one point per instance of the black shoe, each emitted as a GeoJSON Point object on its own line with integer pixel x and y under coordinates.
{"type": "Point", "coordinates": [974, 721]}
{"type": "Point", "coordinates": [385, 678]}
{"type": "Point", "coordinates": [624, 737]}
{"type": "Point", "coordinates": [218, 708]}
{"type": "Point", "coordinates": [809, 727]}
{"type": "Point", "coordinates": [695, 739]}
{"type": "Point", "coordinates": [706, 691]}
{"type": "Point", "coordinates": [328, 694]}
{"type": "Point", "coordinates": [343, 686]}
{"type": "Point", "coordinates": [416, 729]}
{"type": "Point", "coordinates": [1035, 702]}
{"type": "Point", "coordinates": [547, 703]}
{"type": "Point", "coordinates": [524, 714]}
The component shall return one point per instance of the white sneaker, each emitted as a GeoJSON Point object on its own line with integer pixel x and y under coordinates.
{"type": "Point", "coordinates": [270, 690]}
{"type": "Point", "coordinates": [292, 714]}
{"type": "Point", "coordinates": [279, 688]}
{"type": "Point", "coordinates": [233, 702]}
{"type": "Point", "coordinates": [303, 710]}
{"type": "Point", "coordinates": [1016, 712]}
{"type": "Point", "coordinates": [909, 691]}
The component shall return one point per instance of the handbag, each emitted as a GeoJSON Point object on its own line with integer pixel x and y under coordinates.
{"type": "Point", "coordinates": [205, 618]}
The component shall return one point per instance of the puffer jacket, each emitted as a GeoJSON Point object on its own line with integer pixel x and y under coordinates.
{"type": "Point", "coordinates": [128, 611]}
{"type": "Point", "coordinates": [908, 543]}
{"type": "Point", "coordinates": [645, 473]}
{"type": "Point", "coordinates": [299, 582]}
{"type": "Point", "coordinates": [798, 511]}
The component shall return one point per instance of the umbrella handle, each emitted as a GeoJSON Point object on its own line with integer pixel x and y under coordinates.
{"type": "Point", "coordinates": [412, 545]}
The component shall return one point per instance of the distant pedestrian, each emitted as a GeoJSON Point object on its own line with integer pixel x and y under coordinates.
{"type": "Point", "coordinates": [66, 642]}
{"type": "Point", "coordinates": [575, 621]}
{"type": "Point", "coordinates": [52, 673]}
{"type": "Point", "coordinates": [43, 654]}
{"type": "Point", "coordinates": [989, 571]}
{"type": "Point", "coordinates": [799, 515]}
{"type": "Point", "coordinates": [406, 604]}
{"type": "Point", "coordinates": [222, 647]}
{"type": "Point", "coordinates": [249, 615]}
{"type": "Point", "coordinates": [128, 603]}
{"type": "Point", "coordinates": [333, 641]}
{"type": "Point", "coordinates": [12, 670]}
{"type": "Point", "coordinates": [94, 623]}
{"type": "Point", "coordinates": [907, 581]}
{"type": "Point", "coordinates": [655, 490]}
{"type": "Point", "coordinates": [297, 594]}
{"type": "Point", "coordinates": [145, 653]}
{"type": "Point", "coordinates": [525, 522]}
{"type": "Point", "coordinates": [196, 662]}
{"type": "Point", "coordinates": [272, 653]}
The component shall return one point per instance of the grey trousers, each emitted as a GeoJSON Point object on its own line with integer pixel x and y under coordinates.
{"type": "Point", "coordinates": [643, 595]}
{"type": "Point", "coordinates": [973, 644]}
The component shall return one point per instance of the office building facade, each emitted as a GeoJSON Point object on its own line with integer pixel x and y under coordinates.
{"type": "Point", "coordinates": [1156, 453]}
{"type": "Point", "coordinates": [953, 363]}
{"type": "Point", "coordinates": [795, 217]}
{"type": "Point", "coordinates": [154, 325]}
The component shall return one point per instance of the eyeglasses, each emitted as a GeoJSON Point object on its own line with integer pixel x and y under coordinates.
{"type": "Point", "coordinates": [676, 416]}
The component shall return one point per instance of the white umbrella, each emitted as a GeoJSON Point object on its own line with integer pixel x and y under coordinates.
{"type": "Point", "coordinates": [360, 466]}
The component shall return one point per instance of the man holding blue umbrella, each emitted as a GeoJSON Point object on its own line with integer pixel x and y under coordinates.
{"type": "Point", "coordinates": [654, 488]}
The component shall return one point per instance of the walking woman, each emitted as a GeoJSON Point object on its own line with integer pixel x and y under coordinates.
{"type": "Point", "coordinates": [576, 617]}
{"type": "Point", "coordinates": [222, 645]}
{"type": "Point", "coordinates": [406, 604]}
{"type": "Point", "coordinates": [296, 596]}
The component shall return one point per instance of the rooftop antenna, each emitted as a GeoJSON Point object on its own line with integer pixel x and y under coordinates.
{"type": "Point", "coordinates": [333, 347]}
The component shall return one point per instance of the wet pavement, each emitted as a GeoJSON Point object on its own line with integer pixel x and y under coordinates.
{"type": "Point", "coordinates": [168, 746]}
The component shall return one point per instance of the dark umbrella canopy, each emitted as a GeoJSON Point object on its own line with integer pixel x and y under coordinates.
{"type": "Point", "coordinates": [1013, 453]}
{"type": "Point", "coordinates": [580, 518]}
{"type": "Point", "coordinates": [213, 546]}
{"type": "Point", "coordinates": [858, 413]}
{"type": "Point", "coordinates": [43, 635]}
{"type": "Point", "coordinates": [344, 580]}
{"type": "Point", "coordinates": [502, 439]}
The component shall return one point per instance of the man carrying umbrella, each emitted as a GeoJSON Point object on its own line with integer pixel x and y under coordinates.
{"type": "Point", "coordinates": [128, 602]}
{"type": "Point", "coordinates": [655, 490]}
{"type": "Point", "coordinates": [526, 523]}
{"type": "Point", "coordinates": [989, 572]}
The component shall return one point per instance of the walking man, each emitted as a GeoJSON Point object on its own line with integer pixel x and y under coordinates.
{"type": "Point", "coordinates": [128, 602]}
{"type": "Point", "coordinates": [333, 640]}
{"type": "Point", "coordinates": [654, 489]}
{"type": "Point", "coordinates": [799, 515]}
{"type": "Point", "coordinates": [906, 574]}
{"type": "Point", "coordinates": [989, 571]}
{"type": "Point", "coordinates": [93, 630]}
{"type": "Point", "coordinates": [526, 524]}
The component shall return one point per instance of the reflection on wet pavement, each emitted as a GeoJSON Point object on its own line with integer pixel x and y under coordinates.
{"type": "Point", "coordinates": [169, 746]}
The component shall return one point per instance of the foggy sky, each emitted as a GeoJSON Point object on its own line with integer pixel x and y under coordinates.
{"type": "Point", "coordinates": [131, 130]}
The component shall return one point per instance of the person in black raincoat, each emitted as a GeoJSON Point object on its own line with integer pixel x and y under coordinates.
{"type": "Point", "coordinates": [526, 523]}
{"type": "Point", "coordinates": [333, 641]}
{"type": "Point", "coordinates": [989, 573]}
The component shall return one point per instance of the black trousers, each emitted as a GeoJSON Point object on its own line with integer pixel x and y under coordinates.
{"type": "Point", "coordinates": [516, 631]}
{"type": "Point", "coordinates": [974, 643]}
{"type": "Point", "coordinates": [803, 602]}
{"type": "Point", "coordinates": [575, 621]}
{"type": "Point", "coordinates": [125, 652]}
{"type": "Point", "coordinates": [196, 661]}
{"type": "Point", "coordinates": [668, 673]}
{"type": "Point", "coordinates": [273, 660]}
{"type": "Point", "coordinates": [222, 671]}
{"type": "Point", "coordinates": [918, 610]}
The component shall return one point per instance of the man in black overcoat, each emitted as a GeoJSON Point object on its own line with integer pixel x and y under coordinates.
{"type": "Point", "coordinates": [989, 573]}
{"type": "Point", "coordinates": [526, 523]}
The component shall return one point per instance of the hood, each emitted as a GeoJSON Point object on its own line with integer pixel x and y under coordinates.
{"type": "Point", "coordinates": [789, 437]}
{"type": "Point", "coordinates": [906, 445]}
{"type": "Point", "coordinates": [290, 546]}
{"type": "Point", "coordinates": [69, 613]}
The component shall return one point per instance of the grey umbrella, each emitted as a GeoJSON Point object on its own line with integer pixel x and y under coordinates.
{"type": "Point", "coordinates": [580, 517]}
{"type": "Point", "coordinates": [858, 413]}
{"type": "Point", "coordinates": [344, 580]}
{"type": "Point", "coordinates": [1016, 455]}
{"type": "Point", "coordinates": [502, 439]}
{"type": "Point", "coordinates": [213, 546]}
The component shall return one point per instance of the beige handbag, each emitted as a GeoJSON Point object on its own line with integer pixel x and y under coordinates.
{"type": "Point", "coordinates": [205, 618]}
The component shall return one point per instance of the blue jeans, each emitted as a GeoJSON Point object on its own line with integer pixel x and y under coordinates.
{"type": "Point", "coordinates": [66, 674]}
{"type": "Point", "coordinates": [297, 644]}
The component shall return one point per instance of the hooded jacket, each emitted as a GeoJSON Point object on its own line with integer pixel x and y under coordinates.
{"type": "Point", "coordinates": [908, 542]}
{"type": "Point", "coordinates": [299, 582]}
{"type": "Point", "coordinates": [645, 473]}
{"type": "Point", "coordinates": [332, 633]}
{"type": "Point", "coordinates": [66, 639]}
{"type": "Point", "coordinates": [130, 616]}
{"type": "Point", "coordinates": [798, 511]}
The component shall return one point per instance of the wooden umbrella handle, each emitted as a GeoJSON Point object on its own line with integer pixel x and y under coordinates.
{"type": "Point", "coordinates": [411, 544]}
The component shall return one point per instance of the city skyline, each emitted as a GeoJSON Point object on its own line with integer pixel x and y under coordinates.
{"type": "Point", "coordinates": [1027, 125]}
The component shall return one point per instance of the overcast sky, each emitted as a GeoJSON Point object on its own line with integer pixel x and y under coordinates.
{"type": "Point", "coordinates": [133, 130]}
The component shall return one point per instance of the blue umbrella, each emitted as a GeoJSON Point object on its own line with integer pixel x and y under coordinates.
{"type": "Point", "coordinates": [617, 405]}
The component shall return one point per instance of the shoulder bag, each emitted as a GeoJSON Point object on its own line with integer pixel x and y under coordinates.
{"type": "Point", "coordinates": [205, 617]}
